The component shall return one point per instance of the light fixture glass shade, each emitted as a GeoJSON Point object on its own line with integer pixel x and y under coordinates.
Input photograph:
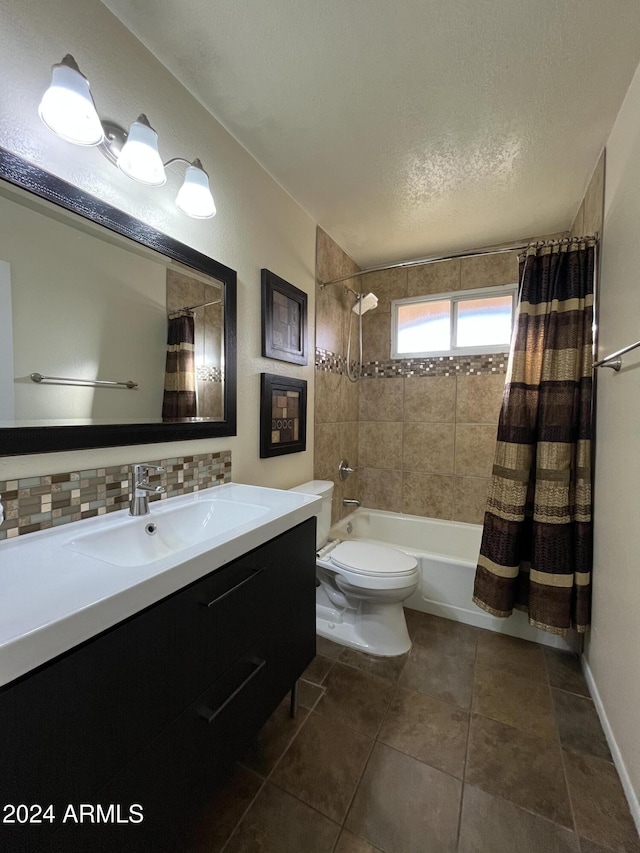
{"type": "Point", "coordinates": [139, 158]}
{"type": "Point", "coordinates": [67, 107]}
{"type": "Point", "coordinates": [194, 197]}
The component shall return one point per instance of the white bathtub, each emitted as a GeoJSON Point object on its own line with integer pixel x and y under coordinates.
{"type": "Point", "coordinates": [447, 552]}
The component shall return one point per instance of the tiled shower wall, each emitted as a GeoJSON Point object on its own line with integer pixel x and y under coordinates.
{"type": "Point", "coordinates": [591, 213]}
{"type": "Point", "coordinates": [423, 431]}
{"type": "Point", "coordinates": [427, 429]}
{"type": "Point", "coordinates": [336, 397]}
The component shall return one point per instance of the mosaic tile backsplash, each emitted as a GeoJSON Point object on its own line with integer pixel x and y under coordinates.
{"type": "Point", "coordinates": [38, 503]}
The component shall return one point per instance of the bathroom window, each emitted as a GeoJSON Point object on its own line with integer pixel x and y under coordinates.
{"type": "Point", "coordinates": [468, 322]}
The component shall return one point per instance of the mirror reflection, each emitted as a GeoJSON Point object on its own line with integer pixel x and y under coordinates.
{"type": "Point", "coordinates": [79, 303]}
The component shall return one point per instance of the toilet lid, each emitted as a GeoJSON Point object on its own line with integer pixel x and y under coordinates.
{"type": "Point", "coordinates": [371, 559]}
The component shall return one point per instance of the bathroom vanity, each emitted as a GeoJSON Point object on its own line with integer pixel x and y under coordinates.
{"type": "Point", "coordinates": [147, 715]}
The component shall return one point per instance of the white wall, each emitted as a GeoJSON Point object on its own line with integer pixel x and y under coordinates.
{"type": "Point", "coordinates": [257, 225]}
{"type": "Point", "coordinates": [613, 648]}
{"type": "Point", "coordinates": [82, 308]}
{"type": "Point", "coordinates": [6, 345]}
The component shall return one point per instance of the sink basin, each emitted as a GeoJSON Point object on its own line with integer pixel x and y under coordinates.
{"type": "Point", "coordinates": [142, 540]}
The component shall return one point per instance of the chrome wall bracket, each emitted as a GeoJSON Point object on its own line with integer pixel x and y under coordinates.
{"type": "Point", "coordinates": [616, 364]}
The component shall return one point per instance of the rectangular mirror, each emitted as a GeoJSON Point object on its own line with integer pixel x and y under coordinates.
{"type": "Point", "coordinates": [111, 333]}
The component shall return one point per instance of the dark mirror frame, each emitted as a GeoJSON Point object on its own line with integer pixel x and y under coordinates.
{"type": "Point", "coordinates": [23, 440]}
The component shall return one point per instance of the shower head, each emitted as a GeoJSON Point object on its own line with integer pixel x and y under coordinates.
{"type": "Point", "coordinates": [365, 303]}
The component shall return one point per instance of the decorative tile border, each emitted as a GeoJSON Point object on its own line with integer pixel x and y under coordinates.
{"type": "Point", "coordinates": [451, 365]}
{"type": "Point", "coordinates": [206, 373]}
{"type": "Point", "coordinates": [38, 503]}
{"type": "Point", "coordinates": [331, 362]}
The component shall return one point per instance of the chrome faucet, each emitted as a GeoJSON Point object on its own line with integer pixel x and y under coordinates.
{"type": "Point", "coordinates": [141, 488]}
{"type": "Point", "coordinates": [350, 502]}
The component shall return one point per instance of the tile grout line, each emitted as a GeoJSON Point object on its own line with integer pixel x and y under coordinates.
{"type": "Point", "coordinates": [466, 752]}
{"type": "Point", "coordinates": [266, 778]}
{"type": "Point", "coordinates": [288, 746]}
{"type": "Point", "coordinates": [564, 765]}
{"type": "Point", "coordinates": [366, 764]}
{"type": "Point", "coordinates": [526, 809]}
{"type": "Point", "coordinates": [243, 815]}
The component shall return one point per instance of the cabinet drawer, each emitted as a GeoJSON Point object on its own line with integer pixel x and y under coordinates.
{"type": "Point", "coordinates": [175, 774]}
{"type": "Point", "coordinates": [70, 727]}
{"type": "Point", "coordinates": [220, 617]}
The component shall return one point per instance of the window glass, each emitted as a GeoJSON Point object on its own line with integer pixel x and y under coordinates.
{"type": "Point", "coordinates": [484, 321]}
{"type": "Point", "coordinates": [424, 326]}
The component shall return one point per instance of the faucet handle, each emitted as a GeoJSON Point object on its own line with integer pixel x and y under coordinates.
{"type": "Point", "coordinates": [344, 470]}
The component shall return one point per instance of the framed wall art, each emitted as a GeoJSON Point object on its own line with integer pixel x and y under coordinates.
{"type": "Point", "coordinates": [283, 415]}
{"type": "Point", "coordinates": [284, 320]}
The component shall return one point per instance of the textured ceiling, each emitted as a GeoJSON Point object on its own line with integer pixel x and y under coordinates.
{"type": "Point", "coordinates": [412, 127]}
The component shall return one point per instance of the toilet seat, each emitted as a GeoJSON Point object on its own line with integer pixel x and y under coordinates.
{"type": "Point", "coordinates": [372, 560]}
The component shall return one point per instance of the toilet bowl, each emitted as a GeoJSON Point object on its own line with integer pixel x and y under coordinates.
{"type": "Point", "coordinates": [361, 587]}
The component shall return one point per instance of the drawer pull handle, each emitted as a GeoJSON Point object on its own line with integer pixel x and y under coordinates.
{"type": "Point", "coordinates": [255, 574]}
{"type": "Point", "coordinates": [209, 715]}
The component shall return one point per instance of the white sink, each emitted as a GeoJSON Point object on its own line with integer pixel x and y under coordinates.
{"type": "Point", "coordinates": [63, 586]}
{"type": "Point", "coordinates": [167, 531]}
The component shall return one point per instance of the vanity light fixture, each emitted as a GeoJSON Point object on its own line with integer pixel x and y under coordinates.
{"type": "Point", "coordinates": [67, 108]}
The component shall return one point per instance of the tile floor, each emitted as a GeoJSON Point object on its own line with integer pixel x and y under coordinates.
{"type": "Point", "coordinates": [475, 742]}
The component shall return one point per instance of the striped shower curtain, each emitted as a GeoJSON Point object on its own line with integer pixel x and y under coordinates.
{"type": "Point", "coordinates": [536, 551]}
{"type": "Point", "coordinates": [179, 399]}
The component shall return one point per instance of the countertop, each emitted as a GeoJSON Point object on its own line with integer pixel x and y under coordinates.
{"type": "Point", "coordinates": [53, 598]}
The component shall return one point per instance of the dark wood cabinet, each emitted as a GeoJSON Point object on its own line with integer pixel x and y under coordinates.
{"type": "Point", "coordinates": [153, 711]}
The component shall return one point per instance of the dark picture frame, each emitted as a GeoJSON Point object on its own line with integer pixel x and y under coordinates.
{"type": "Point", "coordinates": [285, 330]}
{"type": "Point", "coordinates": [283, 415]}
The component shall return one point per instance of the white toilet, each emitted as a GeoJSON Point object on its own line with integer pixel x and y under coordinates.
{"type": "Point", "coordinates": [362, 587]}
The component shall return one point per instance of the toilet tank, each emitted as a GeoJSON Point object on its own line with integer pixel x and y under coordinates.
{"type": "Point", "coordinates": [323, 488]}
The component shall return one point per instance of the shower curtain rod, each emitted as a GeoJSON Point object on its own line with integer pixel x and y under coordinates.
{"type": "Point", "coordinates": [194, 307]}
{"type": "Point", "coordinates": [472, 253]}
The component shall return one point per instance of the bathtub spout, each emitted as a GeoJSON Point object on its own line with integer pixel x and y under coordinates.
{"type": "Point", "coordinates": [350, 502]}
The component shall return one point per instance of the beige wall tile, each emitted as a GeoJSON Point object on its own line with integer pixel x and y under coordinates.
{"type": "Point", "coordinates": [380, 489]}
{"type": "Point", "coordinates": [428, 447]}
{"type": "Point", "coordinates": [348, 444]}
{"type": "Point", "coordinates": [326, 450]}
{"type": "Point", "coordinates": [331, 261]}
{"type": "Point", "coordinates": [327, 397]}
{"type": "Point", "coordinates": [470, 499]}
{"type": "Point", "coordinates": [380, 445]}
{"type": "Point", "coordinates": [376, 337]}
{"type": "Point", "coordinates": [381, 399]}
{"type": "Point", "coordinates": [336, 398]}
{"type": "Point", "coordinates": [594, 200]}
{"type": "Point", "coordinates": [478, 398]}
{"type": "Point", "coordinates": [430, 398]}
{"type": "Point", "coordinates": [439, 277]}
{"type": "Point", "coordinates": [213, 400]}
{"type": "Point", "coordinates": [488, 270]}
{"type": "Point", "coordinates": [577, 229]}
{"type": "Point", "coordinates": [430, 495]}
{"type": "Point", "coordinates": [349, 488]}
{"type": "Point", "coordinates": [329, 322]}
{"type": "Point", "coordinates": [387, 285]}
{"type": "Point", "coordinates": [349, 397]}
{"type": "Point", "coordinates": [182, 290]}
{"type": "Point", "coordinates": [475, 449]}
